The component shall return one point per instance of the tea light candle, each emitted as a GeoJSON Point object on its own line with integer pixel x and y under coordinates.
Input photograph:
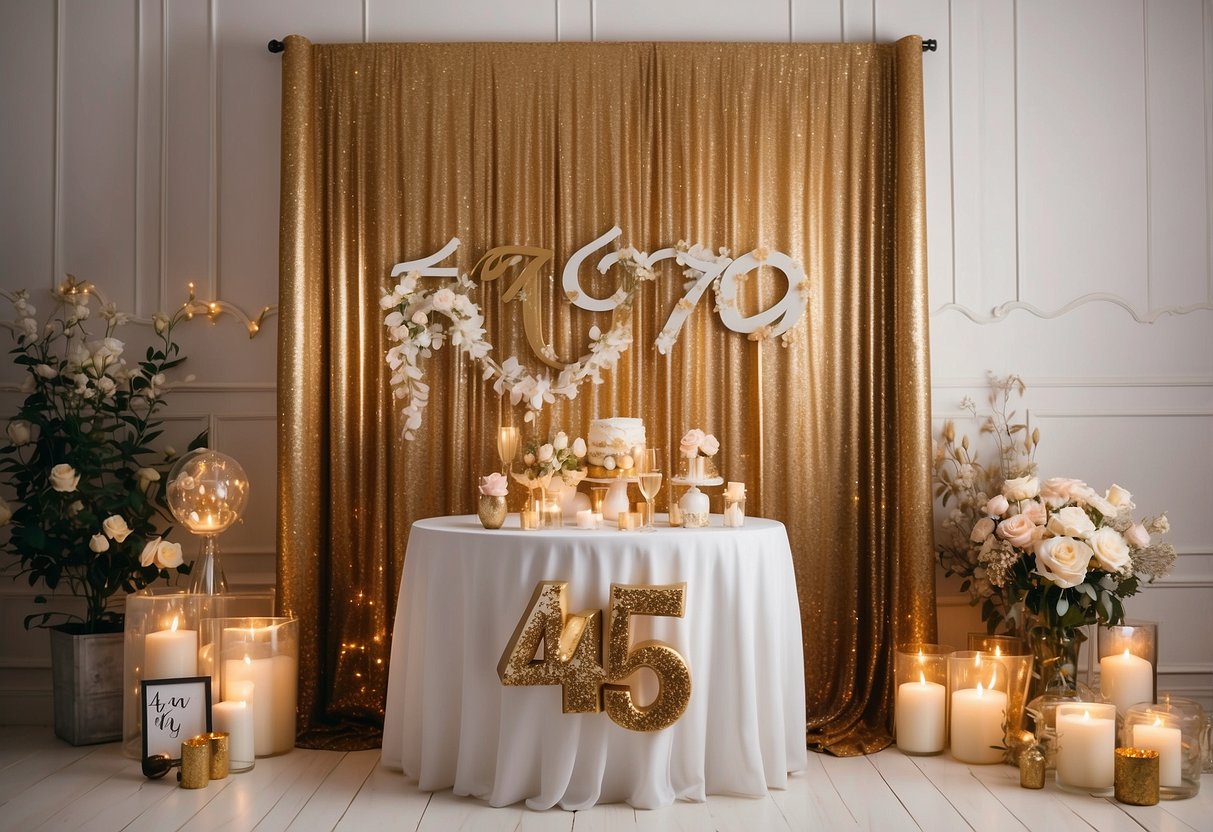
{"type": "Point", "coordinates": [977, 716]}
{"type": "Point", "coordinates": [170, 654]}
{"type": "Point", "coordinates": [735, 491]}
{"type": "Point", "coordinates": [1167, 742]}
{"type": "Point", "coordinates": [585, 519]}
{"type": "Point", "coordinates": [920, 716]}
{"type": "Point", "coordinates": [628, 521]}
{"type": "Point", "coordinates": [1086, 748]}
{"type": "Point", "coordinates": [528, 519]}
{"type": "Point", "coordinates": [1125, 680]}
{"type": "Point", "coordinates": [597, 515]}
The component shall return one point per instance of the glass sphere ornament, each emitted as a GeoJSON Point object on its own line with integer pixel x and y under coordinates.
{"type": "Point", "coordinates": [207, 491]}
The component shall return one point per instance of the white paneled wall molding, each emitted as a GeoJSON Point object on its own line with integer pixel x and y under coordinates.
{"type": "Point", "coordinates": [1069, 191]}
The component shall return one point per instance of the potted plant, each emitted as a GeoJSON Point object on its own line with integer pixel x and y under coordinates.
{"type": "Point", "coordinates": [89, 514]}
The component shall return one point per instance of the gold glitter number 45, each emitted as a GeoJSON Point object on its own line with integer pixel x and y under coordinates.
{"type": "Point", "coordinates": [572, 654]}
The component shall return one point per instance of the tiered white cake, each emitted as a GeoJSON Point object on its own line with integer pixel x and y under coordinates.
{"type": "Point", "coordinates": [614, 445]}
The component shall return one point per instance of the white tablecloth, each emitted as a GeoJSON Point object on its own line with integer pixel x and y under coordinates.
{"type": "Point", "coordinates": [451, 723]}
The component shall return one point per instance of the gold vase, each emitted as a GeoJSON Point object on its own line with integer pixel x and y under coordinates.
{"type": "Point", "coordinates": [491, 510]}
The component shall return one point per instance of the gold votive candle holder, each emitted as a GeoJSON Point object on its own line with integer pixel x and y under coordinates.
{"type": "Point", "coordinates": [528, 519]}
{"type": "Point", "coordinates": [220, 754]}
{"type": "Point", "coordinates": [1137, 776]}
{"type": "Point", "coordinates": [1032, 768]}
{"type": "Point", "coordinates": [196, 762]}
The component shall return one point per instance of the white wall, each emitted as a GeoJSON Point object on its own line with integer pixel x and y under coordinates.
{"type": "Point", "coordinates": [1070, 176]}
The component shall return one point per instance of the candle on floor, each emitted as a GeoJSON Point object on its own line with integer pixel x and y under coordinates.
{"type": "Point", "coordinates": [261, 673]}
{"type": "Point", "coordinates": [171, 653]}
{"type": "Point", "coordinates": [1125, 680]}
{"type": "Point", "coordinates": [1086, 745]}
{"type": "Point", "coordinates": [977, 716]}
{"type": "Point", "coordinates": [237, 719]}
{"type": "Point", "coordinates": [1168, 742]}
{"type": "Point", "coordinates": [919, 715]}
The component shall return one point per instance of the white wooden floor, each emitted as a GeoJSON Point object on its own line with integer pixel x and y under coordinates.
{"type": "Point", "coordinates": [46, 784]}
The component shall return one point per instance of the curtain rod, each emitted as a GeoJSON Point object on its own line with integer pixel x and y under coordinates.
{"type": "Point", "coordinates": [928, 45]}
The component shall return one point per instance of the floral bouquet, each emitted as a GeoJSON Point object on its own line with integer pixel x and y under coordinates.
{"type": "Point", "coordinates": [1043, 558]}
{"type": "Point", "coordinates": [558, 457]}
{"type": "Point", "coordinates": [90, 514]}
{"type": "Point", "coordinates": [697, 443]}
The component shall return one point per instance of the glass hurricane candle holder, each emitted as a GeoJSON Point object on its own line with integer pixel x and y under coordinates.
{"type": "Point", "coordinates": [920, 711]}
{"type": "Point", "coordinates": [978, 686]}
{"type": "Point", "coordinates": [256, 661]}
{"type": "Point", "coordinates": [1172, 727]}
{"type": "Point", "coordinates": [1127, 659]}
{"type": "Point", "coordinates": [1016, 657]}
{"type": "Point", "coordinates": [207, 491]}
{"type": "Point", "coordinates": [1086, 747]}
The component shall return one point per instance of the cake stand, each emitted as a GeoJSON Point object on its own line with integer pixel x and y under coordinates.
{"type": "Point", "coordinates": [694, 502]}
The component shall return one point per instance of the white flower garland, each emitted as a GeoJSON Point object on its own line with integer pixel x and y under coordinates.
{"type": "Point", "coordinates": [413, 321]}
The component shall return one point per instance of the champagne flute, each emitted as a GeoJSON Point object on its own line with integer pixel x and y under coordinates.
{"type": "Point", "coordinates": [650, 483]}
{"type": "Point", "coordinates": [507, 446]}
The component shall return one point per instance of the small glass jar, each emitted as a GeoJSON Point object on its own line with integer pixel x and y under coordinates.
{"type": "Point", "coordinates": [1173, 728]}
{"type": "Point", "coordinates": [1126, 657]}
{"type": "Point", "coordinates": [920, 710]}
{"type": "Point", "coordinates": [552, 516]}
{"type": "Point", "coordinates": [734, 512]}
{"type": "Point", "coordinates": [978, 699]}
{"type": "Point", "coordinates": [1086, 747]}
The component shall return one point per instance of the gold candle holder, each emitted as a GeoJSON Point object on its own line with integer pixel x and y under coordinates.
{"type": "Point", "coordinates": [220, 754]}
{"type": "Point", "coordinates": [1137, 776]}
{"type": "Point", "coordinates": [1032, 768]}
{"type": "Point", "coordinates": [528, 519]}
{"type": "Point", "coordinates": [195, 762]}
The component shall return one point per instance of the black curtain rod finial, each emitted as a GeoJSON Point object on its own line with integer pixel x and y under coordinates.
{"type": "Point", "coordinates": [277, 46]}
{"type": "Point", "coordinates": [928, 45]}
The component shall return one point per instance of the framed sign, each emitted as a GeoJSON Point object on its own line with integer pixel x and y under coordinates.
{"type": "Point", "coordinates": [174, 710]}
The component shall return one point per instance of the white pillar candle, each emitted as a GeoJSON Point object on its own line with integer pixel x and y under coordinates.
{"type": "Point", "coordinates": [1125, 680]}
{"type": "Point", "coordinates": [286, 677]}
{"type": "Point", "coordinates": [237, 719]}
{"type": "Point", "coordinates": [1086, 750]}
{"type": "Point", "coordinates": [261, 673]}
{"type": "Point", "coordinates": [977, 717]}
{"type": "Point", "coordinates": [170, 654]}
{"type": "Point", "coordinates": [735, 491]}
{"type": "Point", "coordinates": [1168, 742]}
{"type": "Point", "coordinates": [734, 514]}
{"type": "Point", "coordinates": [920, 716]}
{"type": "Point", "coordinates": [597, 515]}
{"type": "Point", "coordinates": [585, 519]}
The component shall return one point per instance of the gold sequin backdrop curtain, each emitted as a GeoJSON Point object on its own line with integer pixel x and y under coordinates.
{"type": "Point", "coordinates": [814, 150]}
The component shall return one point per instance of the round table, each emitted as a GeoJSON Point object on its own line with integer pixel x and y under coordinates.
{"type": "Point", "coordinates": [450, 723]}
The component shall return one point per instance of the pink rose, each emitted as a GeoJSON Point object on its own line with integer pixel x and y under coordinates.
{"type": "Point", "coordinates": [1058, 491]}
{"type": "Point", "coordinates": [689, 446]}
{"type": "Point", "coordinates": [1021, 488]}
{"type": "Point", "coordinates": [1035, 512]}
{"type": "Point", "coordinates": [494, 485]}
{"type": "Point", "coordinates": [1063, 561]}
{"type": "Point", "coordinates": [1018, 530]}
{"type": "Point", "coordinates": [709, 446]}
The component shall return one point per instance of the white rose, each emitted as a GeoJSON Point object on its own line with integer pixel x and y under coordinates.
{"type": "Point", "coordinates": [64, 477]}
{"type": "Point", "coordinates": [1063, 560]}
{"type": "Point", "coordinates": [160, 324]}
{"type": "Point", "coordinates": [46, 371]}
{"type": "Point", "coordinates": [419, 318]}
{"type": "Point", "coordinates": [997, 506]}
{"type": "Point", "coordinates": [1137, 536]}
{"type": "Point", "coordinates": [578, 447]}
{"type": "Point", "coordinates": [1021, 488]}
{"type": "Point", "coordinates": [115, 527]}
{"type": "Point", "coordinates": [98, 543]}
{"type": "Point", "coordinates": [146, 476]}
{"type": "Point", "coordinates": [1036, 512]}
{"type": "Point", "coordinates": [6, 512]}
{"type": "Point", "coordinates": [106, 386]}
{"type": "Point", "coordinates": [529, 459]}
{"type": "Point", "coordinates": [1071, 521]}
{"type": "Point", "coordinates": [982, 529]}
{"type": "Point", "coordinates": [75, 508]}
{"type": "Point", "coordinates": [561, 441]}
{"type": "Point", "coordinates": [1058, 491]}
{"type": "Point", "coordinates": [148, 556]}
{"type": "Point", "coordinates": [545, 452]}
{"type": "Point", "coordinates": [1018, 530]}
{"type": "Point", "coordinates": [19, 433]}
{"type": "Point", "coordinates": [1110, 549]}
{"type": "Point", "coordinates": [1120, 497]}
{"type": "Point", "coordinates": [168, 555]}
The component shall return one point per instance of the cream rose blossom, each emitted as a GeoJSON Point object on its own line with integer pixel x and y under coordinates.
{"type": "Point", "coordinates": [1063, 561]}
{"type": "Point", "coordinates": [6, 512]}
{"type": "Point", "coordinates": [1120, 497]}
{"type": "Point", "coordinates": [1137, 536]}
{"type": "Point", "coordinates": [1058, 491]}
{"type": "Point", "coordinates": [115, 527]}
{"type": "Point", "coordinates": [1110, 549]}
{"type": "Point", "coordinates": [98, 543]}
{"type": "Point", "coordinates": [1036, 512]}
{"type": "Point", "coordinates": [689, 446]}
{"type": "Point", "coordinates": [148, 556]}
{"type": "Point", "coordinates": [982, 529]}
{"type": "Point", "coordinates": [1021, 488]}
{"type": "Point", "coordinates": [579, 447]}
{"type": "Point", "coordinates": [1018, 530]}
{"type": "Point", "coordinates": [64, 477]}
{"type": "Point", "coordinates": [494, 485]}
{"type": "Point", "coordinates": [709, 446]}
{"type": "Point", "coordinates": [997, 506]}
{"type": "Point", "coordinates": [19, 432]}
{"type": "Point", "coordinates": [1071, 521]}
{"type": "Point", "coordinates": [168, 555]}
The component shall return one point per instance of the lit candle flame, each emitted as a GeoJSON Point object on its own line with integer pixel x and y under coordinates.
{"type": "Point", "coordinates": [1086, 716]}
{"type": "Point", "coordinates": [174, 627]}
{"type": "Point", "coordinates": [247, 660]}
{"type": "Point", "coordinates": [997, 649]}
{"type": "Point", "coordinates": [1157, 722]}
{"type": "Point", "coordinates": [979, 690]}
{"type": "Point", "coordinates": [922, 678]}
{"type": "Point", "coordinates": [1126, 652]}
